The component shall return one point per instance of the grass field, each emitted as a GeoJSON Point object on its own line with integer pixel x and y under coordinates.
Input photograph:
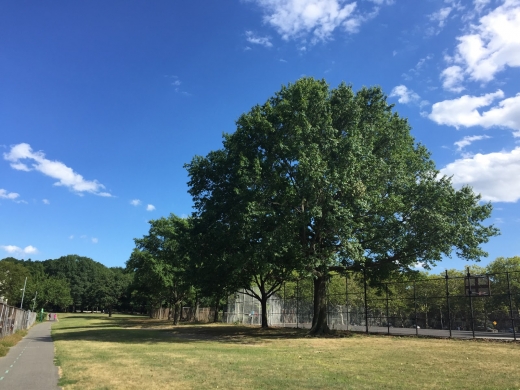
{"type": "Point", "coordinates": [123, 352]}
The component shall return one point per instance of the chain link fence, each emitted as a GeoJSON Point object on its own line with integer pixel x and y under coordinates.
{"type": "Point", "coordinates": [13, 319]}
{"type": "Point", "coordinates": [462, 306]}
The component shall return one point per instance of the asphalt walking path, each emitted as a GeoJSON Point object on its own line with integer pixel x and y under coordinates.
{"type": "Point", "coordinates": [30, 363]}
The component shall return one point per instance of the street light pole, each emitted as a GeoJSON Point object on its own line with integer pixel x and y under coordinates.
{"type": "Point", "coordinates": [23, 294]}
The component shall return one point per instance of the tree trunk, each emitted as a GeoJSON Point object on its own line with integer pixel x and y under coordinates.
{"type": "Point", "coordinates": [263, 303]}
{"type": "Point", "coordinates": [176, 314]}
{"type": "Point", "coordinates": [319, 319]}
{"type": "Point", "coordinates": [196, 314]}
{"type": "Point", "coordinates": [110, 311]}
{"type": "Point", "coordinates": [217, 304]}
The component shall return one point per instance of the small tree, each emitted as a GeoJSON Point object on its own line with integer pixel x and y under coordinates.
{"type": "Point", "coordinates": [160, 260]}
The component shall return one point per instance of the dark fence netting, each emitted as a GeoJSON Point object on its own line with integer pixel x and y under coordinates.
{"type": "Point", "coordinates": [462, 306]}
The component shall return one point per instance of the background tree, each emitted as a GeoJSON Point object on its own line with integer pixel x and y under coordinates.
{"type": "Point", "coordinates": [81, 274]}
{"type": "Point", "coordinates": [109, 287]}
{"type": "Point", "coordinates": [12, 279]}
{"type": "Point", "coordinates": [160, 260]}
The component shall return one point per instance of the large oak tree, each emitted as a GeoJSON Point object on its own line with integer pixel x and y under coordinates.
{"type": "Point", "coordinates": [338, 175]}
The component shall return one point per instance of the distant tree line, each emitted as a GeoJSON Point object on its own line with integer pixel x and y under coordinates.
{"type": "Point", "coordinates": [68, 283]}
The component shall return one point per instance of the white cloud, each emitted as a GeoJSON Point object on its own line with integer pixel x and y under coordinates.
{"type": "Point", "coordinates": [55, 169]}
{"type": "Point", "coordinates": [468, 140]}
{"type": "Point", "coordinates": [95, 240]}
{"type": "Point", "coordinates": [46, 201]}
{"type": "Point", "coordinates": [71, 237]}
{"type": "Point", "coordinates": [453, 77]}
{"type": "Point", "coordinates": [495, 175]}
{"type": "Point", "coordinates": [15, 250]}
{"type": "Point", "coordinates": [135, 202]}
{"type": "Point", "coordinates": [405, 95]}
{"type": "Point", "coordinates": [263, 41]}
{"type": "Point", "coordinates": [491, 45]}
{"type": "Point", "coordinates": [463, 112]}
{"type": "Point", "coordinates": [8, 195]}
{"type": "Point", "coordinates": [150, 207]}
{"type": "Point", "coordinates": [295, 18]}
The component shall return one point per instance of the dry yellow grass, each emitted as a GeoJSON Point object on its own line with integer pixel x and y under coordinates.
{"type": "Point", "coordinates": [129, 353]}
{"type": "Point", "coordinates": [11, 340]}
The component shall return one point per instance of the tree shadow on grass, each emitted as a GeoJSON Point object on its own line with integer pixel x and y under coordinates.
{"type": "Point", "coordinates": [121, 330]}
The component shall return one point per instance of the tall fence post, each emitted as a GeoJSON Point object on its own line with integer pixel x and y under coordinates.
{"type": "Point", "coordinates": [448, 302]}
{"type": "Point", "coordinates": [297, 303]}
{"type": "Point", "coordinates": [283, 305]}
{"type": "Point", "coordinates": [366, 302]}
{"type": "Point", "coordinates": [346, 298]}
{"type": "Point", "coordinates": [511, 305]}
{"type": "Point", "coordinates": [387, 322]}
{"type": "Point", "coordinates": [415, 308]}
{"type": "Point", "coordinates": [471, 305]}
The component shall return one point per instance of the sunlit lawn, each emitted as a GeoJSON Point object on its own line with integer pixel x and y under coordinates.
{"type": "Point", "coordinates": [96, 352]}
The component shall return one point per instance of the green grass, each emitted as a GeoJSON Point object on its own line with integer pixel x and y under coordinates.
{"type": "Point", "coordinates": [10, 341]}
{"type": "Point", "coordinates": [96, 352]}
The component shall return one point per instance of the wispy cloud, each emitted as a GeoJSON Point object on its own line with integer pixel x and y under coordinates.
{"type": "Point", "coordinates": [468, 140]}
{"type": "Point", "coordinates": [480, 4]}
{"type": "Point", "coordinates": [46, 201]}
{"type": "Point", "coordinates": [94, 240]}
{"type": "Point", "coordinates": [318, 18]}
{"type": "Point", "coordinates": [257, 40]}
{"type": "Point", "coordinates": [439, 18]}
{"type": "Point", "coordinates": [8, 195]}
{"type": "Point", "coordinates": [176, 82]}
{"type": "Point", "coordinates": [16, 250]}
{"type": "Point", "coordinates": [22, 154]}
{"type": "Point", "coordinates": [135, 202]}
{"type": "Point", "coordinates": [150, 207]}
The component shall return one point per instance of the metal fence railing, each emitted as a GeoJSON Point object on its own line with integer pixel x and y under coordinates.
{"type": "Point", "coordinates": [462, 305]}
{"type": "Point", "coordinates": [13, 319]}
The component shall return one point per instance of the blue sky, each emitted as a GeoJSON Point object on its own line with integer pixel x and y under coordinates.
{"type": "Point", "coordinates": [101, 103]}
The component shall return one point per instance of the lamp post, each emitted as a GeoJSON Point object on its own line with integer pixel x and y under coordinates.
{"type": "Point", "coordinates": [23, 294]}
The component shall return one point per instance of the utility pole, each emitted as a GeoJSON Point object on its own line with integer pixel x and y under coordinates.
{"type": "Point", "coordinates": [23, 294]}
